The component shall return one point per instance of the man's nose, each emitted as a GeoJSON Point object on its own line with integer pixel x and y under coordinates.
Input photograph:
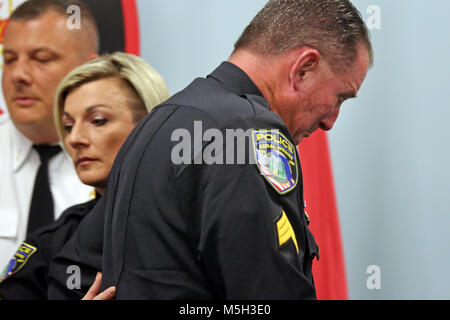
{"type": "Point", "coordinates": [328, 122]}
{"type": "Point", "coordinates": [77, 137]}
{"type": "Point", "coordinates": [20, 72]}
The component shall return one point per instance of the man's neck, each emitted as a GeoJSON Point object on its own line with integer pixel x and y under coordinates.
{"type": "Point", "coordinates": [255, 66]}
{"type": "Point", "coordinates": [38, 134]}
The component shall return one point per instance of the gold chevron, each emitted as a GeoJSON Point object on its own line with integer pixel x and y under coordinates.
{"type": "Point", "coordinates": [285, 231]}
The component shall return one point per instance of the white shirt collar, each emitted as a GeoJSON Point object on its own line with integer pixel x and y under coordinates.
{"type": "Point", "coordinates": [21, 147]}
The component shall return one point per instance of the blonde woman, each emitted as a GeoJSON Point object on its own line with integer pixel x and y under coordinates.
{"type": "Point", "coordinates": [96, 106]}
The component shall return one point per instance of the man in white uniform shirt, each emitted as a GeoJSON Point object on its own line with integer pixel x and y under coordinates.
{"type": "Point", "coordinates": [39, 50]}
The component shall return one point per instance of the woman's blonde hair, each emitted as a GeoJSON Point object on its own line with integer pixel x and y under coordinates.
{"type": "Point", "coordinates": [148, 85]}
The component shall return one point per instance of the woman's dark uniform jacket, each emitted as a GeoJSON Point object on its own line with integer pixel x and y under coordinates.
{"type": "Point", "coordinates": [197, 231]}
{"type": "Point", "coordinates": [29, 278]}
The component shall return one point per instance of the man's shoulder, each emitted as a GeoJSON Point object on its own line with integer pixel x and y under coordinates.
{"type": "Point", "coordinates": [4, 119]}
{"type": "Point", "coordinates": [224, 107]}
{"type": "Point", "coordinates": [66, 223]}
{"type": "Point", "coordinates": [6, 127]}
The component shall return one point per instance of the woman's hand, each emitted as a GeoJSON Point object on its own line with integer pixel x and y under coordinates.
{"type": "Point", "coordinates": [93, 293]}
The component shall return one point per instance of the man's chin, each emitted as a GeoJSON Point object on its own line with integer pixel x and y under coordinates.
{"type": "Point", "coordinates": [298, 139]}
{"type": "Point", "coordinates": [29, 115]}
{"type": "Point", "coordinates": [302, 136]}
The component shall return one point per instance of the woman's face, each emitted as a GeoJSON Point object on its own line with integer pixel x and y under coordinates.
{"type": "Point", "coordinates": [97, 119]}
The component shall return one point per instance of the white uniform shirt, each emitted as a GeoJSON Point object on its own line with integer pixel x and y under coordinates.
{"type": "Point", "coordinates": [19, 163]}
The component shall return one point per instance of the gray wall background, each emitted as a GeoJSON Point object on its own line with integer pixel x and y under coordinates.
{"type": "Point", "coordinates": [389, 149]}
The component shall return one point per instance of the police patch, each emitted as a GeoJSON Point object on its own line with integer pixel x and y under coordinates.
{"type": "Point", "coordinates": [19, 260]}
{"type": "Point", "coordinates": [276, 159]}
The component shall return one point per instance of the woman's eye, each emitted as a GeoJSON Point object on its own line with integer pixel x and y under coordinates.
{"type": "Point", "coordinates": [67, 128]}
{"type": "Point", "coordinates": [99, 121]}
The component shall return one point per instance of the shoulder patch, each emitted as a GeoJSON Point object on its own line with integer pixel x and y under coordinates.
{"type": "Point", "coordinates": [19, 260]}
{"type": "Point", "coordinates": [276, 159]}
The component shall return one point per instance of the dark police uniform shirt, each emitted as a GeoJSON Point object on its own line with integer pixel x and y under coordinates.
{"type": "Point", "coordinates": [83, 250]}
{"type": "Point", "coordinates": [26, 276]}
{"type": "Point", "coordinates": [201, 231]}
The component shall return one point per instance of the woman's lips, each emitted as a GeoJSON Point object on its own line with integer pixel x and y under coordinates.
{"type": "Point", "coordinates": [84, 161]}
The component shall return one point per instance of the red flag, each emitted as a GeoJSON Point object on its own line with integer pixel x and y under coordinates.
{"type": "Point", "coordinates": [329, 271]}
{"type": "Point", "coordinates": [131, 27]}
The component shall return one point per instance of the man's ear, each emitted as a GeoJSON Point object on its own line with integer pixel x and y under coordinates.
{"type": "Point", "coordinates": [307, 59]}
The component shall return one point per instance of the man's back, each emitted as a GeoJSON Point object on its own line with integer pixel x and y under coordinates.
{"type": "Point", "coordinates": [189, 231]}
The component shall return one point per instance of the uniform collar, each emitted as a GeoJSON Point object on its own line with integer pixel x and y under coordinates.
{"type": "Point", "coordinates": [21, 147]}
{"type": "Point", "coordinates": [235, 79]}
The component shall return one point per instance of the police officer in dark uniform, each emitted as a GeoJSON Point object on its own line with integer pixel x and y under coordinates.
{"type": "Point", "coordinates": [193, 212]}
{"type": "Point", "coordinates": [26, 275]}
{"type": "Point", "coordinates": [87, 256]}
{"type": "Point", "coordinates": [206, 231]}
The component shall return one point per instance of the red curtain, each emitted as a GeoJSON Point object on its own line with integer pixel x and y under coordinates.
{"type": "Point", "coordinates": [329, 271]}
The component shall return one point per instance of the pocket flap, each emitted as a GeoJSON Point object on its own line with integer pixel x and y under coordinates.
{"type": "Point", "coordinates": [312, 245]}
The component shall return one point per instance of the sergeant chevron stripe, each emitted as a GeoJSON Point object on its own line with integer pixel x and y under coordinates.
{"type": "Point", "coordinates": [285, 231]}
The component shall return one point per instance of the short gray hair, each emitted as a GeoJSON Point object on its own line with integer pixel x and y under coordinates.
{"type": "Point", "coordinates": [333, 27]}
{"type": "Point", "coordinates": [148, 84]}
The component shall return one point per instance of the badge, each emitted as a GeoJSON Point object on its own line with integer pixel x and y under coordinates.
{"type": "Point", "coordinates": [276, 159]}
{"type": "Point", "coordinates": [19, 260]}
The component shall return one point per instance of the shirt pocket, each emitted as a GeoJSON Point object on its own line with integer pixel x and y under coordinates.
{"type": "Point", "coordinates": [9, 219]}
